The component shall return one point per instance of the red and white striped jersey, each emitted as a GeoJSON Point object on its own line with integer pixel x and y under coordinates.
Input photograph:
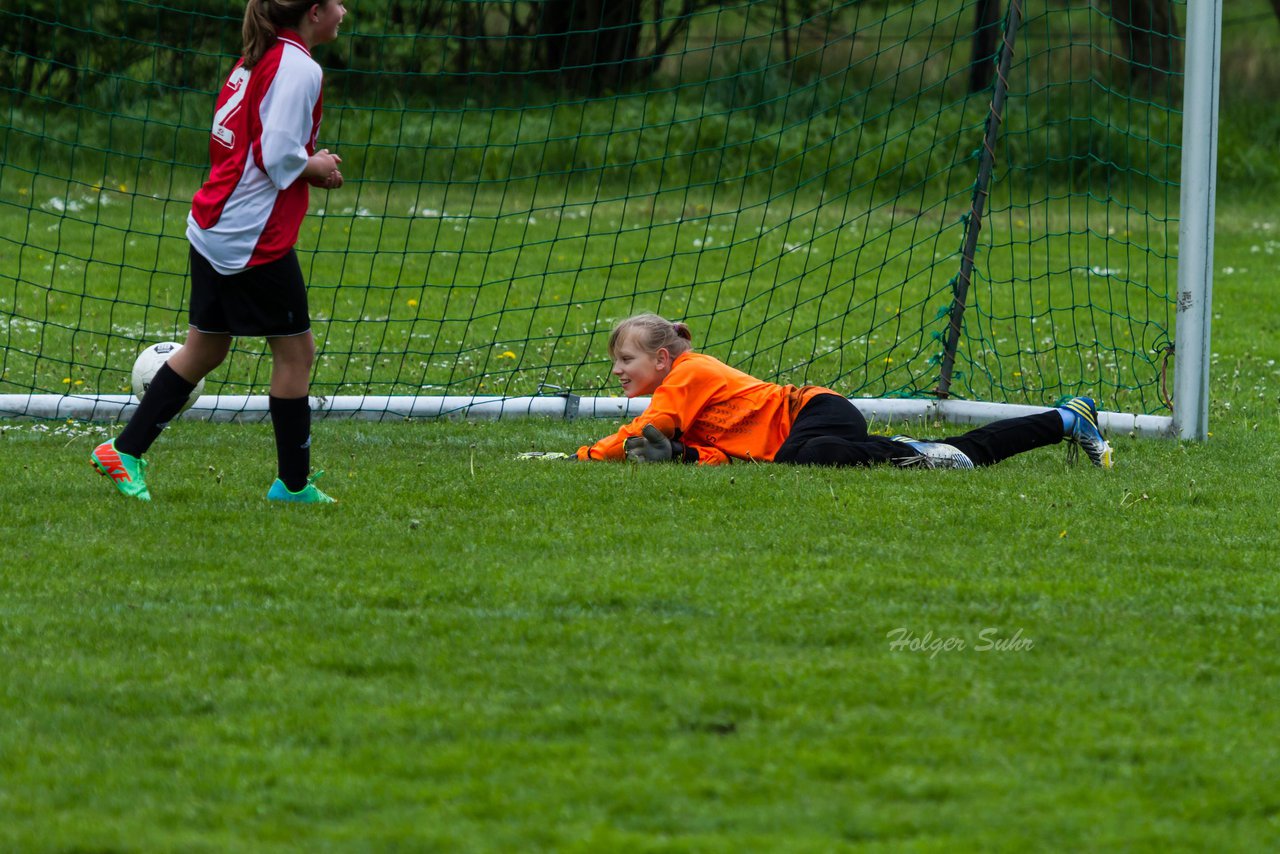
{"type": "Point", "coordinates": [250, 208]}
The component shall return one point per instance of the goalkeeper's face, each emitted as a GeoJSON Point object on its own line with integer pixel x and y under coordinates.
{"type": "Point", "coordinates": [639, 371]}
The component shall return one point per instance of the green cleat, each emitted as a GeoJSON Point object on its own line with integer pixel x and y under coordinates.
{"type": "Point", "coordinates": [128, 473]}
{"type": "Point", "coordinates": [309, 494]}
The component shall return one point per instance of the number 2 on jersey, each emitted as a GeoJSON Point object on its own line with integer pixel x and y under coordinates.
{"type": "Point", "coordinates": [221, 120]}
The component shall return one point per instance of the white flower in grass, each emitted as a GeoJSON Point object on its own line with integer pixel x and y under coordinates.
{"type": "Point", "coordinates": [63, 205]}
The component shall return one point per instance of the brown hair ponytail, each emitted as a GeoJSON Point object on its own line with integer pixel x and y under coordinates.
{"type": "Point", "coordinates": [262, 18]}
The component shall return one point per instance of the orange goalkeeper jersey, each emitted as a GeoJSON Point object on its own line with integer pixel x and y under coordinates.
{"type": "Point", "coordinates": [719, 411]}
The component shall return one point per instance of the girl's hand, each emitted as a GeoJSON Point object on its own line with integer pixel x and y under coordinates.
{"type": "Point", "coordinates": [650, 447]}
{"type": "Point", "coordinates": [322, 170]}
{"type": "Point", "coordinates": [332, 181]}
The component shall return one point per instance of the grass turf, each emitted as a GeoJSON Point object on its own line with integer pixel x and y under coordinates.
{"type": "Point", "coordinates": [475, 653]}
{"type": "Point", "coordinates": [471, 652]}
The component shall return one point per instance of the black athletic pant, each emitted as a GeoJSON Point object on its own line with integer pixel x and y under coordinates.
{"type": "Point", "coordinates": [830, 431]}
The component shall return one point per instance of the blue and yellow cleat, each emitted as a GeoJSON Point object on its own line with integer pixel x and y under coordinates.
{"type": "Point", "coordinates": [309, 494]}
{"type": "Point", "coordinates": [1085, 433]}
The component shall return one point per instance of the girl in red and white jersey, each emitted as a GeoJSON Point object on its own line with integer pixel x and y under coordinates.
{"type": "Point", "coordinates": [244, 222]}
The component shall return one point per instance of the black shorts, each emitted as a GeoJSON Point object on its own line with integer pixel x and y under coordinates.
{"type": "Point", "coordinates": [265, 301]}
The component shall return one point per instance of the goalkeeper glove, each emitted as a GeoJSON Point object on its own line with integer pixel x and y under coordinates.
{"type": "Point", "coordinates": [652, 446]}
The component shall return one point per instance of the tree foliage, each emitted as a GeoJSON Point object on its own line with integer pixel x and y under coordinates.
{"type": "Point", "coordinates": [67, 51]}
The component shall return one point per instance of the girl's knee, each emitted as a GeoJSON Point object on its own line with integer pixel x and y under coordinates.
{"type": "Point", "coordinates": [294, 352]}
{"type": "Point", "coordinates": [307, 357]}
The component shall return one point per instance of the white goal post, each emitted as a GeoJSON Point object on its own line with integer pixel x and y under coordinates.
{"type": "Point", "coordinates": [1195, 229]}
{"type": "Point", "coordinates": [253, 408]}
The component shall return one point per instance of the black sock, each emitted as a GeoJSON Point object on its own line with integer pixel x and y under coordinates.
{"type": "Point", "coordinates": [291, 419]}
{"type": "Point", "coordinates": [163, 400]}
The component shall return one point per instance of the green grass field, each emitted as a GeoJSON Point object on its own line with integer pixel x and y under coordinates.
{"type": "Point", "coordinates": [474, 653]}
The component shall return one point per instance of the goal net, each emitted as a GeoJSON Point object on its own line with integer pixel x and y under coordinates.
{"type": "Point", "coordinates": [968, 201]}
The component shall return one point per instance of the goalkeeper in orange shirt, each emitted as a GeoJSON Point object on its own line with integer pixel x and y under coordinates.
{"type": "Point", "coordinates": [703, 411]}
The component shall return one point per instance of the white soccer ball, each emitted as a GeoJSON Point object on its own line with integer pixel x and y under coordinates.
{"type": "Point", "coordinates": [149, 361]}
